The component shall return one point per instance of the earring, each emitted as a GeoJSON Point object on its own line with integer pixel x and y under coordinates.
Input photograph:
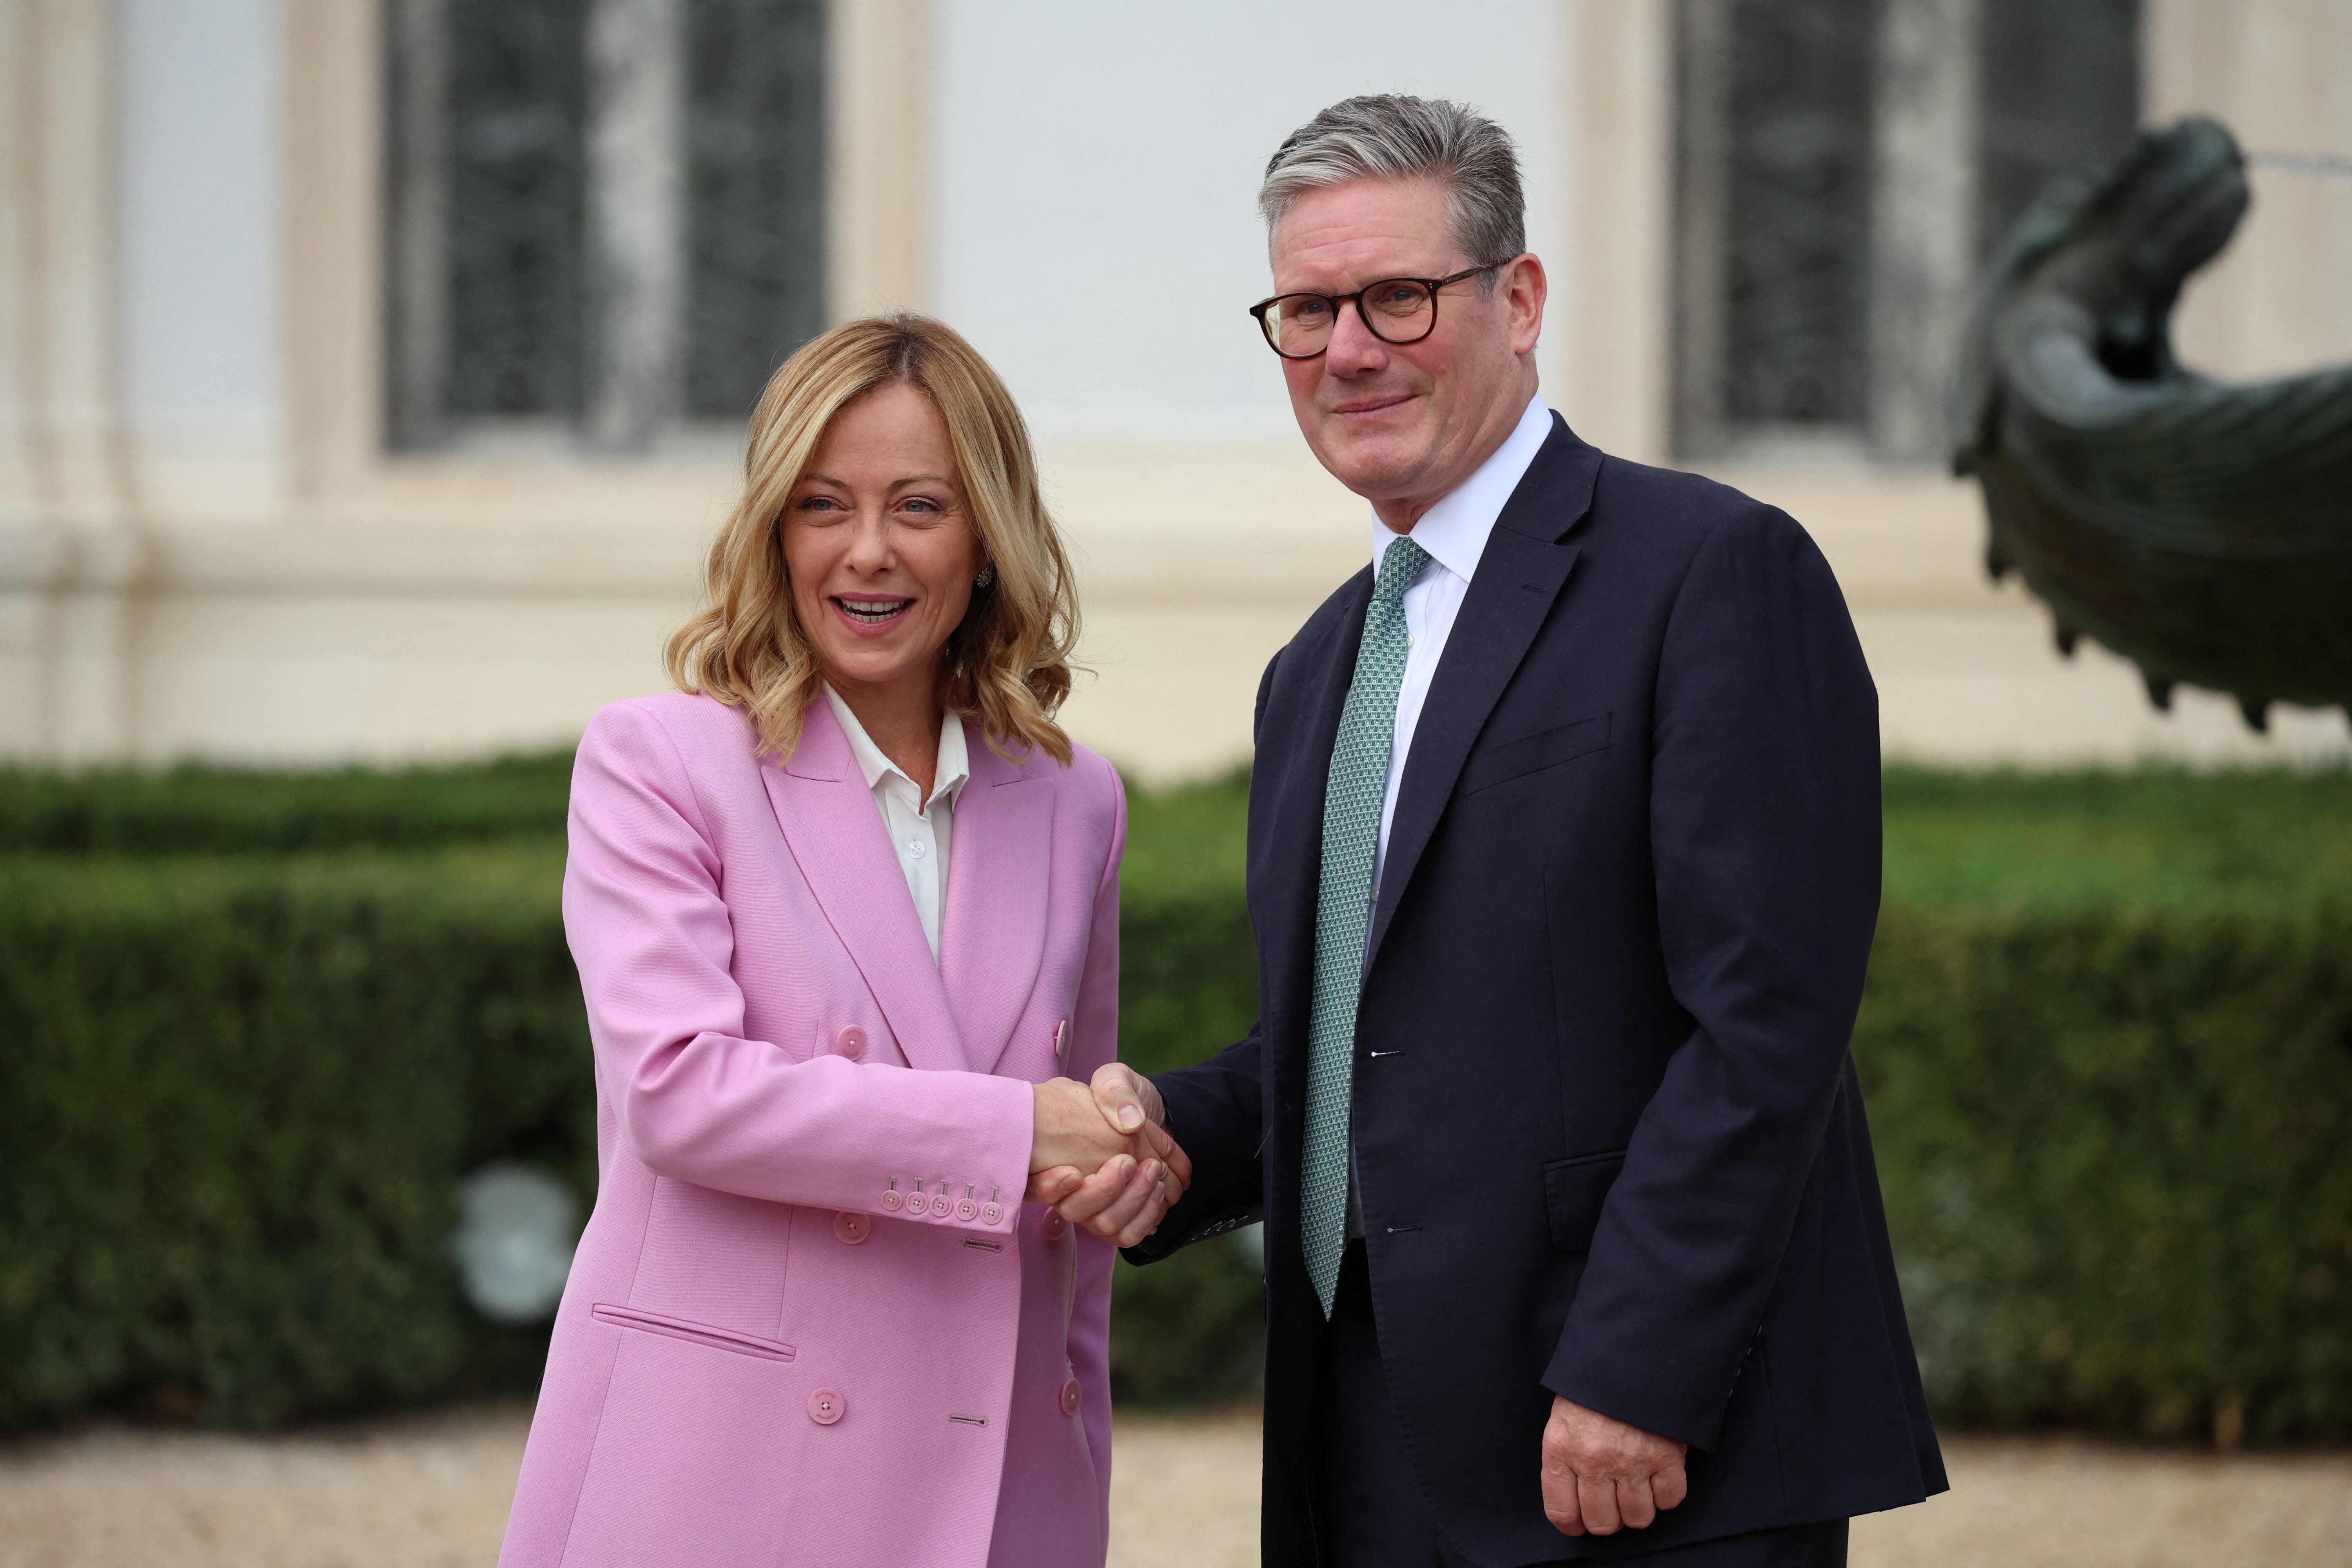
{"type": "Point", "coordinates": [987, 575]}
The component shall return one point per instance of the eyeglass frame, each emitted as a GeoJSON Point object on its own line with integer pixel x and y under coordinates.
{"type": "Point", "coordinates": [1433, 285]}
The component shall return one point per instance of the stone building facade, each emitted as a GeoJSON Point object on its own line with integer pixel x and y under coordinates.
{"type": "Point", "coordinates": [372, 371]}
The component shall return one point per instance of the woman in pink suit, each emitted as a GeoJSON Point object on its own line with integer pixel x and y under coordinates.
{"type": "Point", "coordinates": [847, 918]}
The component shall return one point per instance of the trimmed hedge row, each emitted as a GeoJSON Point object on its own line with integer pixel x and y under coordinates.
{"type": "Point", "coordinates": [234, 1111]}
{"type": "Point", "coordinates": [2115, 1146]}
{"type": "Point", "coordinates": [225, 811]}
{"type": "Point", "coordinates": [237, 1092]}
{"type": "Point", "coordinates": [238, 1096]}
{"type": "Point", "coordinates": [2117, 1156]}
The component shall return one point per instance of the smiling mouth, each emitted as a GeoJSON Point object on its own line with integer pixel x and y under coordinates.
{"type": "Point", "coordinates": [872, 612]}
{"type": "Point", "coordinates": [1372, 405]}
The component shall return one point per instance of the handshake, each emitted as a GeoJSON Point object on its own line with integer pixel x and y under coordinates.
{"type": "Point", "coordinates": [1102, 1156]}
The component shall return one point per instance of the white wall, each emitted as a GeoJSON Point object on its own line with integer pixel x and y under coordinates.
{"type": "Point", "coordinates": [2279, 74]}
{"type": "Point", "coordinates": [1097, 168]}
{"type": "Point", "coordinates": [188, 269]}
{"type": "Point", "coordinates": [201, 155]}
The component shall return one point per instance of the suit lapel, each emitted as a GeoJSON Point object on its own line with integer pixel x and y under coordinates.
{"type": "Point", "coordinates": [992, 932]}
{"type": "Point", "coordinates": [1519, 578]}
{"type": "Point", "coordinates": [1295, 841]}
{"type": "Point", "coordinates": [838, 839]}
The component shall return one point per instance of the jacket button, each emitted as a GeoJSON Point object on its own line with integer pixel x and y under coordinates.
{"type": "Point", "coordinates": [1062, 1042]}
{"type": "Point", "coordinates": [826, 1407]}
{"type": "Point", "coordinates": [891, 1200]}
{"type": "Point", "coordinates": [1052, 1226]}
{"type": "Point", "coordinates": [966, 1208]}
{"type": "Point", "coordinates": [990, 1213]}
{"type": "Point", "coordinates": [942, 1205]}
{"type": "Point", "coordinates": [852, 1228]}
{"type": "Point", "coordinates": [1070, 1397]}
{"type": "Point", "coordinates": [850, 1042]}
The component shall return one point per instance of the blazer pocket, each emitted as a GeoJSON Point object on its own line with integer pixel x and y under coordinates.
{"type": "Point", "coordinates": [1517, 758]}
{"type": "Point", "coordinates": [691, 1333]}
{"type": "Point", "coordinates": [1574, 1191]}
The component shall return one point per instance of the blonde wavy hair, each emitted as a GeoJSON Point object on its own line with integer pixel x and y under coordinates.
{"type": "Point", "coordinates": [1007, 665]}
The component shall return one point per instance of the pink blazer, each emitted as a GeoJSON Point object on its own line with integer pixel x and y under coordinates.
{"type": "Point", "coordinates": [810, 1319]}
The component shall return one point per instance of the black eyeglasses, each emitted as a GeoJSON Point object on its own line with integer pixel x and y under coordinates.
{"type": "Point", "coordinates": [1394, 310]}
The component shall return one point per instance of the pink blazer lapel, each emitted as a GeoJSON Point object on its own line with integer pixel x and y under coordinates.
{"type": "Point", "coordinates": [838, 837]}
{"type": "Point", "coordinates": [993, 937]}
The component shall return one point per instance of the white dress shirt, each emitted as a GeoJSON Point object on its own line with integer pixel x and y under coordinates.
{"type": "Point", "coordinates": [1455, 533]}
{"type": "Point", "coordinates": [920, 828]}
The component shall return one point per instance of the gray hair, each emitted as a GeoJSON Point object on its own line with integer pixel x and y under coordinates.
{"type": "Point", "coordinates": [1391, 136]}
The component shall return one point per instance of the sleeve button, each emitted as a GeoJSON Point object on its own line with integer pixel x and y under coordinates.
{"type": "Point", "coordinates": [942, 1205]}
{"type": "Point", "coordinates": [990, 1213]}
{"type": "Point", "coordinates": [966, 1209]}
{"type": "Point", "coordinates": [891, 1200]}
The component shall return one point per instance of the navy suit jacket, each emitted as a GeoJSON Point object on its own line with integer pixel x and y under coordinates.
{"type": "Point", "coordinates": [1609, 1141]}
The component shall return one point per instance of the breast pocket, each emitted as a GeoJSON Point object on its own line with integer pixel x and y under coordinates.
{"type": "Point", "coordinates": [1501, 762]}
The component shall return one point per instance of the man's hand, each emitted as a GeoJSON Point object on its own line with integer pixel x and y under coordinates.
{"type": "Point", "coordinates": [1130, 1103]}
{"type": "Point", "coordinates": [1599, 1473]}
{"type": "Point", "coordinates": [1138, 1170]}
{"type": "Point", "coordinates": [1133, 1184]}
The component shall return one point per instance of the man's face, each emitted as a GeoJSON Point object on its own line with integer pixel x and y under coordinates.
{"type": "Point", "coordinates": [1404, 423]}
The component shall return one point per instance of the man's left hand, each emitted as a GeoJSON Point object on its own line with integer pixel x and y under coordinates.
{"type": "Point", "coordinates": [1599, 1473]}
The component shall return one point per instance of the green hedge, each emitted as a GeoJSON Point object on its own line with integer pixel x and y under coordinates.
{"type": "Point", "coordinates": [2107, 1042]}
{"type": "Point", "coordinates": [2117, 1156]}
{"type": "Point", "coordinates": [201, 810]}
{"type": "Point", "coordinates": [1188, 1329]}
{"type": "Point", "coordinates": [234, 1106]}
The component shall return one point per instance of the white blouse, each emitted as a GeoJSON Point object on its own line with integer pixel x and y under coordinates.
{"type": "Point", "coordinates": [920, 828]}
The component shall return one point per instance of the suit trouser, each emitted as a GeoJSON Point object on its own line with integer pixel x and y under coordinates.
{"type": "Point", "coordinates": [1370, 1510]}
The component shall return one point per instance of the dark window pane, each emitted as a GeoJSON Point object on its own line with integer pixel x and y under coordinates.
{"type": "Point", "coordinates": [516, 84]}
{"type": "Point", "coordinates": [755, 181]}
{"type": "Point", "coordinates": [2061, 96]}
{"type": "Point", "coordinates": [1799, 210]}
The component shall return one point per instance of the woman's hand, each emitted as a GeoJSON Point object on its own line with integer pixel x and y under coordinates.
{"type": "Point", "coordinates": [1118, 1129]}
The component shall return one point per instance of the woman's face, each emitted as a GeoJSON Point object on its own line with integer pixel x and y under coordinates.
{"type": "Point", "coordinates": [880, 543]}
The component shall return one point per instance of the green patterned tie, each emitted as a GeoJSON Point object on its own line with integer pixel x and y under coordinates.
{"type": "Point", "coordinates": [1352, 797]}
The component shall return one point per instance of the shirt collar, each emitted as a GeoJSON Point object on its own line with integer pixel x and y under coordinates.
{"type": "Point", "coordinates": [1454, 531]}
{"type": "Point", "coordinates": [953, 771]}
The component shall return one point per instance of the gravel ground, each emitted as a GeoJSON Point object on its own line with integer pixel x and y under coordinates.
{"type": "Point", "coordinates": [428, 1491]}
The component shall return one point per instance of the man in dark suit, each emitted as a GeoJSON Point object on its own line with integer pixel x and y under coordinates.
{"type": "Point", "coordinates": [1563, 863]}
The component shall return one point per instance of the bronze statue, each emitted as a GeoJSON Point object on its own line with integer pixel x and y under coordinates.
{"type": "Point", "coordinates": [2201, 530]}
